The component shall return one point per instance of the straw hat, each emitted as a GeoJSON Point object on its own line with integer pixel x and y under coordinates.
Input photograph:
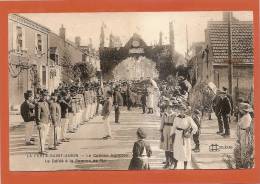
{"type": "Point", "coordinates": [245, 107]}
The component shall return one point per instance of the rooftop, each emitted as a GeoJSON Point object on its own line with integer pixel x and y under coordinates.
{"type": "Point", "coordinates": [242, 41]}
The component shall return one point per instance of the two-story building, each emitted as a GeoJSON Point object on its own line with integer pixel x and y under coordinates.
{"type": "Point", "coordinates": [28, 57]}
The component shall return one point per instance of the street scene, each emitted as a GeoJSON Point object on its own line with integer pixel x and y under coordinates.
{"type": "Point", "coordinates": [133, 91]}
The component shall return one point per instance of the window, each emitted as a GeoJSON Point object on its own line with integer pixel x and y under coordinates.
{"type": "Point", "coordinates": [43, 75]}
{"type": "Point", "coordinates": [39, 43]}
{"type": "Point", "coordinates": [19, 38]}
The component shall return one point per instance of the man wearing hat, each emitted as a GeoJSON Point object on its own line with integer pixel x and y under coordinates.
{"type": "Point", "coordinates": [27, 113]}
{"type": "Point", "coordinates": [117, 102]}
{"type": "Point", "coordinates": [42, 114]}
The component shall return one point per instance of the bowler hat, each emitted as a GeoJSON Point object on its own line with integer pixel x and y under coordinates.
{"type": "Point", "coordinates": [140, 133]}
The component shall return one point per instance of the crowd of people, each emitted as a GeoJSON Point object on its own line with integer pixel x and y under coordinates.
{"type": "Point", "coordinates": [61, 113]}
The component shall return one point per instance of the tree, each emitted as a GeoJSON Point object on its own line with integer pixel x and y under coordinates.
{"type": "Point", "coordinates": [84, 71]}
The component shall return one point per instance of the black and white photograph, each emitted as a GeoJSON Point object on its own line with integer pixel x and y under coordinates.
{"type": "Point", "coordinates": [131, 91]}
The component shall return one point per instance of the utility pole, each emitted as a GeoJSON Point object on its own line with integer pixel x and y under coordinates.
{"type": "Point", "coordinates": [187, 40]}
{"type": "Point", "coordinates": [230, 64]}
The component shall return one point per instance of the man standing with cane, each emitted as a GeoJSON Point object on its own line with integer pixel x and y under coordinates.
{"type": "Point", "coordinates": [42, 115]}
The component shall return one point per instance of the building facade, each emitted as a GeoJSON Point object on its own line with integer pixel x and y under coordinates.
{"type": "Point", "coordinates": [28, 57]}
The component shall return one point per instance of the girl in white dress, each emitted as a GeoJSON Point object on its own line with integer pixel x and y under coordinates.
{"type": "Point", "coordinates": [182, 143]}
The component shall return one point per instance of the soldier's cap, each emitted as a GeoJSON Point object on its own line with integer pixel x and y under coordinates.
{"type": "Point", "coordinates": [224, 88]}
{"type": "Point", "coordinates": [29, 91]}
{"type": "Point", "coordinates": [44, 93]}
{"type": "Point", "coordinates": [140, 133]}
{"type": "Point", "coordinates": [26, 95]}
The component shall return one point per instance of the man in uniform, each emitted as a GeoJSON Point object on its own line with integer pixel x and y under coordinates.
{"type": "Point", "coordinates": [42, 114]}
{"type": "Point", "coordinates": [87, 102]}
{"type": "Point", "coordinates": [107, 108]}
{"type": "Point", "coordinates": [118, 101]}
{"type": "Point", "coordinates": [55, 119]}
{"type": "Point", "coordinates": [27, 113]}
{"type": "Point", "coordinates": [65, 103]}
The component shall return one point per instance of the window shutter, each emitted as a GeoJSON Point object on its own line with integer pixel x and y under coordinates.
{"type": "Point", "coordinates": [35, 44]}
{"type": "Point", "coordinates": [44, 50]}
{"type": "Point", "coordinates": [14, 36]}
{"type": "Point", "coordinates": [23, 38]}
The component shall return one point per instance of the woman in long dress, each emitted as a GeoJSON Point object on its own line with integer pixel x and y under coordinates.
{"type": "Point", "coordinates": [182, 144]}
{"type": "Point", "coordinates": [243, 130]}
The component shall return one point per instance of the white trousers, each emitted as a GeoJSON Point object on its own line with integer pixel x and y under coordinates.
{"type": "Point", "coordinates": [107, 127]}
{"type": "Point", "coordinates": [51, 136]}
{"type": "Point", "coordinates": [29, 126]}
{"type": "Point", "coordinates": [64, 127]}
{"type": "Point", "coordinates": [87, 113]}
{"type": "Point", "coordinates": [71, 120]}
{"type": "Point", "coordinates": [43, 133]}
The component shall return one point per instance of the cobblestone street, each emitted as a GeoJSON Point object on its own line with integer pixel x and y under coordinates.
{"type": "Point", "coordinates": [87, 151]}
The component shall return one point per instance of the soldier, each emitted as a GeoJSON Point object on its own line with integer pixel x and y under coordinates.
{"type": "Point", "coordinates": [42, 114]}
{"type": "Point", "coordinates": [87, 103]}
{"type": "Point", "coordinates": [118, 101]}
{"type": "Point", "coordinates": [65, 103]}
{"type": "Point", "coordinates": [73, 111]}
{"type": "Point", "coordinates": [55, 119]}
{"type": "Point", "coordinates": [27, 113]}
{"type": "Point", "coordinates": [107, 108]}
{"type": "Point", "coordinates": [143, 101]}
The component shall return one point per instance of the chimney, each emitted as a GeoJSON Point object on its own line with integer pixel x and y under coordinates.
{"type": "Point", "coordinates": [225, 16]}
{"type": "Point", "coordinates": [77, 41]}
{"type": "Point", "coordinates": [171, 38]}
{"type": "Point", "coordinates": [102, 37]}
{"type": "Point", "coordinates": [90, 43]}
{"type": "Point", "coordinates": [62, 32]}
{"type": "Point", "coordinates": [160, 39]}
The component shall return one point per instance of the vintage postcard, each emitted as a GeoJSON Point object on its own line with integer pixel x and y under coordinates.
{"type": "Point", "coordinates": [131, 91]}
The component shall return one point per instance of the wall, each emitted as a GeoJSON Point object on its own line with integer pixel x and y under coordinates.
{"type": "Point", "coordinates": [242, 73]}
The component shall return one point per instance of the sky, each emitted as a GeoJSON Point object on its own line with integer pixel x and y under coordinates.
{"type": "Point", "coordinates": [124, 24]}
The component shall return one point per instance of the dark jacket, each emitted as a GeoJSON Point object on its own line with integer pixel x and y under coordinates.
{"type": "Point", "coordinates": [226, 106]}
{"type": "Point", "coordinates": [42, 113]}
{"type": "Point", "coordinates": [138, 162]}
{"type": "Point", "coordinates": [118, 99]}
{"type": "Point", "coordinates": [65, 105]}
{"type": "Point", "coordinates": [27, 111]}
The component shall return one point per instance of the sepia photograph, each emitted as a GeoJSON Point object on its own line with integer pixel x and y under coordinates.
{"type": "Point", "coordinates": [131, 91]}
